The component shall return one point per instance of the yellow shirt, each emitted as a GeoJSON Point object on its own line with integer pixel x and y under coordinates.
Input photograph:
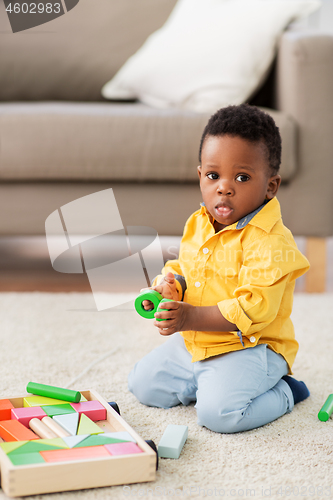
{"type": "Point", "coordinates": [247, 269]}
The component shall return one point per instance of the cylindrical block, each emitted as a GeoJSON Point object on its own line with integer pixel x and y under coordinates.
{"type": "Point", "coordinates": [151, 295]}
{"type": "Point", "coordinates": [161, 310]}
{"type": "Point", "coordinates": [55, 427]}
{"type": "Point", "coordinates": [50, 391]}
{"type": "Point", "coordinates": [327, 409]}
{"type": "Point", "coordinates": [41, 429]}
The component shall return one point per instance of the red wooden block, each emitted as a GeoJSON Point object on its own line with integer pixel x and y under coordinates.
{"type": "Point", "coordinates": [5, 408]}
{"type": "Point", "coordinates": [123, 448]}
{"type": "Point", "coordinates": [13, 430]}
{"type": "Point", "coordinates": [74, 454]}
{"type": "Point", "coordinates": [93, 409]}
{"type": "Point", "coordinates": [24, 415]}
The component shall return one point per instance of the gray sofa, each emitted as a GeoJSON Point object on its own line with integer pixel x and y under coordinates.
{"type": "Point", "coordinates": [60, 140]}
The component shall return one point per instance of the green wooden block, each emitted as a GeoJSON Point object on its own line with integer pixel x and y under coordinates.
{"type": "Point", "coordinates": [26, 458]}
{"type": "Point", "coordinates": [97, 440]}
{"type": "Point", "coordinates": [12, 445]}
{"type": "Point", "coordinates": [34, 447]}
{"type": "Point", "coordinates": [172, 441]}
{"type": "Point", "coordinates": [52, 410]}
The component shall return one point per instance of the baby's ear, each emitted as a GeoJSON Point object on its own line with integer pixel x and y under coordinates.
{"type": "Point", "coordinates": [273, 186]}
{"type": "Point", "coordinates": [199, 171]}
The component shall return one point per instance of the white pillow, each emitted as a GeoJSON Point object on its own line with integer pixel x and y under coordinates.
{"type": "Point", "coordinates": [208, 54]}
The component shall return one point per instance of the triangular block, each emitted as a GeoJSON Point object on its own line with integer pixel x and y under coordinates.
{"type": "Point", "coordinates": [120, 436]}
{"type": "Point", "coordinates": [57, 442]}
{"type": "Point", "coordinates": [87, 426]}
{"type": "Point", "coordinates": [33, 447]}
{"type": "Point", "coordinates": [69, 422]}
{"type": "Point", "coordinates": [12, 445]}
{"type": "Point", "coordinates": [97, 440]}
{"type": "Point", "coordinates": [72, 441]}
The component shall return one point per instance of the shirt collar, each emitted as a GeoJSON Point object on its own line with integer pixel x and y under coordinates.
{"type": "Point", "coordinates": [264, 217]}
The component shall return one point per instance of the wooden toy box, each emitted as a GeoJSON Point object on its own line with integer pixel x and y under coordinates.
{"type": "Point", "coordinates": [80, 474]}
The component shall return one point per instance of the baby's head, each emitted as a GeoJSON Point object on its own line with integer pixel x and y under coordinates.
{"type": "Point", "coordinates": [240, 156]}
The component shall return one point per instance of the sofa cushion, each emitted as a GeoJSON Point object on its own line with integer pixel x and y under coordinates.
{"type": "Point", "coordinates": [103, 141]}
{"type": "Point", "coordinates": [208, 54]}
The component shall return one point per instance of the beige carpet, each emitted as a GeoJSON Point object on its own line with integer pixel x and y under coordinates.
{"type": "Point", "coordinates": [52, 338]}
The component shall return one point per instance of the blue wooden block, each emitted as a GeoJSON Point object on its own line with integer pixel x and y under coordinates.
{"type": "Point", "coordinates": [172, 441]}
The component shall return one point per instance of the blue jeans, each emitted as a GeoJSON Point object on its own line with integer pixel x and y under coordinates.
{"type": "Point", "coordinates": [234, 392]}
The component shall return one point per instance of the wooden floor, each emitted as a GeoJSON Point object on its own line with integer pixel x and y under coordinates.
{"type": "Point", "coordinates": [25, 266]}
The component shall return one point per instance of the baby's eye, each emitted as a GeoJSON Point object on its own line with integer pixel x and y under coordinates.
{"type": "Point", "coordinates": [242, 178]}
{"type": "Point", "coordinates": [212, 176]}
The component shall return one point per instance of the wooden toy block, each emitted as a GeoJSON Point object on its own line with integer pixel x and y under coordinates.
{"type": "Point", "coordinates": [127, 448]}
{"type": "Point", "coordinates": [121, 436]}
{"type": "Point", "coordinates": [42, 430]}
{"type": "Point", "coordinates": [13, 430]}
{"type": "Point", "coordinates": [72, 441]}
{"type": "Point", "coordinates": [26, 459]}
{"type": "Point", "coordinates": [55, 427]}
{"type": "Point", "coordinates": [97, 440]}
{"type": "Point", "coordinates": [326, 410]}
{"type": "Point", "coordinates": [74, 454]}
{"type": "Point", "coordinates": [87, 426]}
{"type": "Point", "coordinates": [93, 409]}
{"type": "Point", "coordinates": [33, 447]}
{"type": "Point", "coordinates": [5, 409]}
{"type": "Point", "coordinates": [24, 415]}
{"type": "Point", "coordinates": [172, 441]}
{"type": "Point", "coordinates": [74, 473]}
{"type": "Point", "coordinates": [69, 422]}
{"type": "Point", "coordinates": [12, 445]}
{"type": "Point", "coordinates": [63, 409]}
{"type": "Point", "coordinates": [41, 401]}
{"type": "Point", "coordinates": [50, 391]}
{"type": "Point", "coordinates": [57, 442]}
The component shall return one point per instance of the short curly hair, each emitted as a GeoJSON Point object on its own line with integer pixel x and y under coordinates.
{"type": "Point", "coordinates": [249, 123]}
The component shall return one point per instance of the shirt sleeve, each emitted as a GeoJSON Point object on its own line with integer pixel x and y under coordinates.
{"type": "Point", "coordinates": [269, 264]}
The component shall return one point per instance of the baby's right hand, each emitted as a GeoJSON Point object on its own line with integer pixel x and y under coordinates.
{"type": "Point", "coordinates": [167, 288]}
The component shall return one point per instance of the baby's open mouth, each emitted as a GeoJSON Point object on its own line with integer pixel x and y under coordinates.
{"type": "Point", "coordinates": [223, 210]}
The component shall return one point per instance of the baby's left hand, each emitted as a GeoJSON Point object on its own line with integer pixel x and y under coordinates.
{"type": "Point", "coordinates": [178, 317]}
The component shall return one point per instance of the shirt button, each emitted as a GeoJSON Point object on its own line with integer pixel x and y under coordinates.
{"type": "Point", "coordinates": [197, 284]}
{"type": "Point", "coordinates": [252, 340]}
{"type": "Point", "coordinates": [205, 250]}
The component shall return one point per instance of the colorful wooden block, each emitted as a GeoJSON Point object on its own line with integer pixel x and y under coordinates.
{"type": "Point", "coordinates": [12, 445]}
{"type": "Point", "coordinates": [63, 409]}
{"type": "Point", "coordinates": [69, 422]}
{"type": "Point", "coordinates": [41, 401]}
{"type": "Point", "coordinates": [33, 447]}
{"type": "Point", "coordinates": [127, 448]}
{"type": "Point", "coordinates": [172, 441]}
{"type": "Point", "coordinates": [51, 391]}
{"type": "Point", "coordinates": [24, 415]}
{"type": "Point", "coordinates": [5, 409]}
{"type": "Point", "coordinates": [74, 454]}
{"type": "Point", "coordinates": [121, 436]}
{"type": "Point", "coordinates": [93, 409]}
{"type": "Point", "coordinates": [72, 441]}
{"type": "Point", "coordinates": [97, 440]}
{"type": "Point", "coordinates": [57, 442]}
{"type": "Point", "coordinates": [42, 430]}
{"type": "Point", "coordinates": [87, 426]}
{"type": "Point", "coordinates": [13, 430]}
{"type": "Point", "coordinates": [26, 459]}
{"type": "Point", "coordinates": [55, 427]}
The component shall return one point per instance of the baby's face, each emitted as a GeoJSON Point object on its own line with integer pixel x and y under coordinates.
{"type": "Point", "coordinates": [235, 178]}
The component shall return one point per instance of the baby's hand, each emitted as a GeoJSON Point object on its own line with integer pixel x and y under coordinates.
{"type": "Point", "coordinates": [167, 288]}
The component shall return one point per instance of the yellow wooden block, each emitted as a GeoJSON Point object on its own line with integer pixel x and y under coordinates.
{"type": "Point", "coordinates": [54, 442]}
{"type": "Point", "coordinates": [87, 426]}
{"type": "Point", "coordinates": [41, 401]}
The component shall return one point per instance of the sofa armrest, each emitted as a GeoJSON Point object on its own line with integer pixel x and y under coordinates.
{"type": "Point", "coordinates": [304, 90]}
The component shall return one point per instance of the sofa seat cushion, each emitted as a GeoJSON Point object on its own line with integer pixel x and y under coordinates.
{"type": "Point", "coordinates": [107, 141]}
